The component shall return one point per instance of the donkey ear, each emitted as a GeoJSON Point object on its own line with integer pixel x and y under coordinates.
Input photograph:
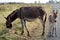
{"type": "Point", "coordinates": [5, 18]}
{"type": "Point", "coordinates": [56, 11]}
{"type": "Point", "coordinates": [53, 11]}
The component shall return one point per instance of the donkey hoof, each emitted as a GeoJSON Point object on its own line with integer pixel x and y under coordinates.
{"type": "Point", "coordinates": [21, 33]}
{"type": "Point", "coordinates": [42, 35]}
{"type": "Point", "coordinates": [28, 35]}
{"type": "Point", "coordinates": [56, 36]}
{"type": "Point", "coordinates": [16, 33]}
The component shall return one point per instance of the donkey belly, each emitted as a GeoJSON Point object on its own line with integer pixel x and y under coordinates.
{"type": "Point", "coordinates": [30, 19]}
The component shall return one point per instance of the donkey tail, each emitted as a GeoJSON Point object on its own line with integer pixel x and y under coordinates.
{"type": "Point", "coordinates": [45, 18]}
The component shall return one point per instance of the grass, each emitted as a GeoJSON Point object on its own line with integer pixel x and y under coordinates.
{"type": "Point", "coordinates": [6, 10]}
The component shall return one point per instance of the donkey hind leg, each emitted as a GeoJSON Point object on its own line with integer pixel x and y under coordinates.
{"type": "Point", "coordinates": [52, 31]}
{"type": "Point", "coordinates": [26, 28]}
{"type": "Point", "coordinates": [43, 24]}
{"type": "Point", "coordinates": [55, 31]}
{"type": "Point", "coordinates": [22, 22]}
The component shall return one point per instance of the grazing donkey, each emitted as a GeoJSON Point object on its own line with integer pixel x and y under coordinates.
{"type": "Point", "coordinates": [52, 23]}
{"type": "Point", "coordinates": [25, 14]}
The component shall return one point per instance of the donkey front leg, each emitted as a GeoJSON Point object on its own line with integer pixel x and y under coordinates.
{"type": "Point", "coordinates": [26, 28]}
{"type": "Point", "coordinates": [22, 22]}
{"type": "Point", "coordinates": [43, 29]}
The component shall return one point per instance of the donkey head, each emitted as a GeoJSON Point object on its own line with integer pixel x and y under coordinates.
{"type": "Point", "coordinates": [55, 13]}
{"type": "Point", "coordinates": [8, 23]}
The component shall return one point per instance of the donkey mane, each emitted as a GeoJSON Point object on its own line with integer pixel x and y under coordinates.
{"type": "Point", "coordinates": [12, 16]}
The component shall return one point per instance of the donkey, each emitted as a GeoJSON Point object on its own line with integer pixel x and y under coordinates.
{"type": "Point", "coordinates": [52, 23]}
{"type": "Point", "coordinates": [25, 14]}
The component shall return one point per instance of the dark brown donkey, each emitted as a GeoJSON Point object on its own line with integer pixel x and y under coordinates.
{"type": "Point", "coordinates": [25, 14]}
